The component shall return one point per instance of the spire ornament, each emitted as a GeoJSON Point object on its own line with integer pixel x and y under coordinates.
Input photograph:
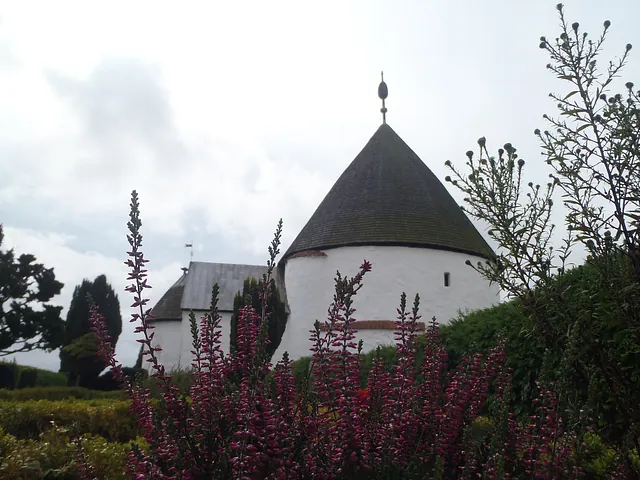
{"type": "Point", "coordinates": [383, 92]}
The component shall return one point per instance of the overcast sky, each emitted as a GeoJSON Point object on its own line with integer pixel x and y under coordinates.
{"type": "Point", "coordinates": [227, 116]}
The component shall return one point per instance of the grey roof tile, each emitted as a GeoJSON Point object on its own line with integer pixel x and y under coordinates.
{"type": "Point", "coordinates": [229, 277]}
{"type": "Point", "coordinates": [168, 307]}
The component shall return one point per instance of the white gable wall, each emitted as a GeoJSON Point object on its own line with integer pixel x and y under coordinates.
{"type": "Point", "coordinates": [176, 341]}
{"type": "Point", "coordinates": [167, 334]}
{"type": "Point", "coordinates": [309, 282]}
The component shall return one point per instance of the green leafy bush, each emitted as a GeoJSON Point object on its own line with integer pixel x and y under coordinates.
{"type": "Point", "coordinates": [180, 377]}
{"type": "Point", "coordinates": [107, 381]}
{"type": "Point", "coordinates": [278, 314]}
{"type": "Point", "coordinates": [580, 287]}
{"type": "Point", "coordinates": [47, 378]}
{"type": "Point", "coordinates": [300, 369]}
{"type": "Point", "coordinates": [387, 356]}
{"type": "Point", "coordinates": [8, 375]}
{"type": "Point", "coordinates": [59, 393]}
{"type": "Point", "coordinates": [109, 419]}
{"type": "Point", "coordinates": [28, 377]}
{"type": "Point", "coordinates": [477, 332]}
{"type": "Point", "coordinates": [52, 456]}
{"type": "Point", "coordinates": [301, 374]}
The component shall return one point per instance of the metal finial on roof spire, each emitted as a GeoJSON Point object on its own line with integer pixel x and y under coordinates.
{"type": "Point", "coordinates": [383, 91]}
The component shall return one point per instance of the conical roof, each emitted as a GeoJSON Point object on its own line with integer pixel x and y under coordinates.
{"type": "Point", "coordinates": [388, 196]}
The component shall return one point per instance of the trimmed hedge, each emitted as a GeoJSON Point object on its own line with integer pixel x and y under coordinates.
{"type": "Point", "coordinates": [107, 382]}
{"type": "Point", "coordinates": [47, 378]}
{"type": "Point", "coordinates": [52, 456]}
{"type": "Point", "coordinates": [8, 375]}
{"type": "Point", "coordinates": [13, 376]}
{"type": "Point", "coordinates": [28, 378]}
{"type": "Point", "coordinates": [107, 418]}
{"type": "Point", "coordinates": [60, 393]}
{"type": "Point", "coordinates": [477, 331]}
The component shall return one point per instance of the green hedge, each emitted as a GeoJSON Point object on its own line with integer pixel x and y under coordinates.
{"type": "Point", "coordinates": [28, 378]}
{"type": "Point", "coordinates": [13, 376]}
{"type": "Point", "coordinates": [477, 331]}
{"type": "Point", "coordinates": [52, 456]}
{"type": "Point", "coordinates": [180, 377]}
{"type": "Point", "coordinates": [300, 369]}
{"type": "Point", "coordinates": [107, 418]}
{"type": "Point", "coordinates": [47, 378]}
{"type": "Point", "coordinates": [470, 333]}
{"type": "Point", "coordinates": [59, 393]}
{"type": "Point", "coordinates": [8, 375]}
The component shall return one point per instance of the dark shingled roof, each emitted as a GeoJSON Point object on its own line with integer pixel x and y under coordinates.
{"type": "Point", "coordinates": [168, 307]}
{"type": "Point", "coordinates": [388, 196]}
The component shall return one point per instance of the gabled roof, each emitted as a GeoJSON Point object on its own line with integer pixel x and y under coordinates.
{"type": "Point", "coordinates": [229, 277]}
{"type": "Point", "coordinates": [388, 196]}
{"type": "Point", "coordinates": [168, 307]}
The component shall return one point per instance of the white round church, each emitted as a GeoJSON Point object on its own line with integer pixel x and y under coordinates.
{"type": "Point", "coordinates": [387, 208]}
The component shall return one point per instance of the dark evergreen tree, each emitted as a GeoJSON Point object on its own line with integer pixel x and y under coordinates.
{"type": "Point", "coordinates": [8, 374]}
{"type": "Point", "coordinates": [24, 285]}
{"type": "Point", "coordinates": [275, 308]}
{"type": "Point", "coordinates": [28, 377]}
{"type": "Point", "coordinates": [78, 357]}
{"type": "Point", "coordinates": [138, 364]}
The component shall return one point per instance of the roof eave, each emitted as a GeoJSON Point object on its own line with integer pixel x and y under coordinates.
{"type": "Point", "coordinates": [486, 255]}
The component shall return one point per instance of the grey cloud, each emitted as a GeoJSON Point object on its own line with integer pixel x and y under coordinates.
{"type": "Point", "coordinates": [122, 105]}
{"type": "Point", "coordinates": [121, 95]}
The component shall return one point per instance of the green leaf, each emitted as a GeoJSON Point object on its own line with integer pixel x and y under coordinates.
{"type": "Point", "coordinates": [570, 94]}
{"type": "Point", "coordinates": [574, 111]}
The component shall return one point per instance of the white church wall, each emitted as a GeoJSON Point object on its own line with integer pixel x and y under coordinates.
{"type": "Point", "coordinates": [176, 342]}
{"type": "Point", "coordinates": [309, 281]}
{"type": "Point", "coordinates": [167, 334]}
{"type": "Point", "coordinates": [372, 338]}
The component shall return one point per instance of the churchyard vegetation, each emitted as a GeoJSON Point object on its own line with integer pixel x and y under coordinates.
{"type": "Point", "coordinates": [79, 357]}
{"type": "Point", "coordinates": [14, 376]}
{"type": "Point", "coordinates": [250, 295]}
{"type": "Point", "coordinates": [27, 321]}
{"type": "Point", "coordinates": [541, 386]}
{"type": "Point", "coordinates": [237, 424]}
{"type": "Point", "coordinates": [592, 151]}
{"type": "Point", "coordinates": [242, 419]}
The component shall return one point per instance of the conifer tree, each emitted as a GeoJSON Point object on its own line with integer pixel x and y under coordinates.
{"type": "Point", "coordinates": [78, 357]}
{"type": "Point", "coordinates": [275, 308]}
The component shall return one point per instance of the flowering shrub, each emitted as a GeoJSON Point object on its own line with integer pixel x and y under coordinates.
{"type": "Point", "coordinates": [243, 418]}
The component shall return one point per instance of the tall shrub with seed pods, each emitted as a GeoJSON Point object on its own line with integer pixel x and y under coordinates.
{"type": "Point", "coordinates": [591, 150]}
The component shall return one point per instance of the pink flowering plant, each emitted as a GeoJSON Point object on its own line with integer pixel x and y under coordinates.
{"type": "Point", "coordinates": [244, 419]}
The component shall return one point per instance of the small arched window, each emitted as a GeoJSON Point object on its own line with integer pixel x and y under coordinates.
{"type": "Point", "coordinates": [447, 279]}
